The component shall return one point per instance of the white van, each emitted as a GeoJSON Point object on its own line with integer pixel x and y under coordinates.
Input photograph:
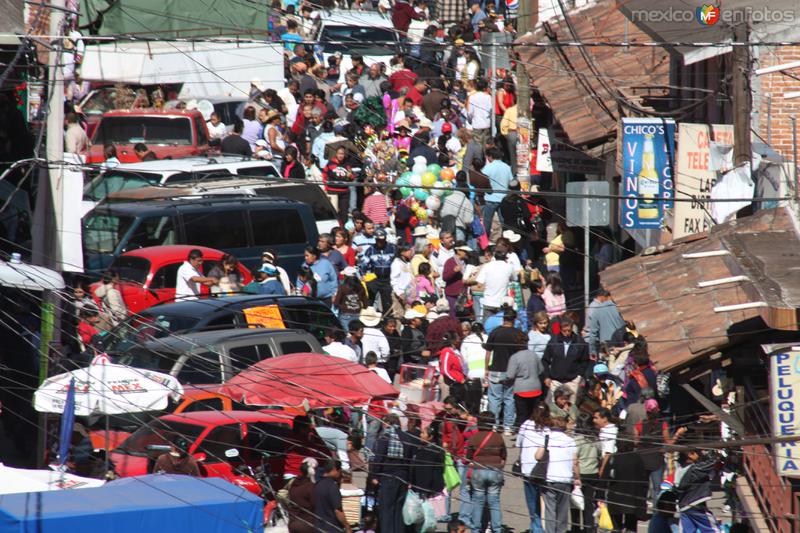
{"type": "Point", "coordinates": [186, 171]}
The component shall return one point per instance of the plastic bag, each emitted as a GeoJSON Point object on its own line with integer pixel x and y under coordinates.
{"type": "Point", "coordinates": [412, 509]}
{"type": "Point", "coordinates": [451, 477]}
{"type": "Point", "coordinates": [577, 498]}
{"type": "Point", "coordinates": [429, 518]}
{"type": "Point", "coordinates": [604, 520]}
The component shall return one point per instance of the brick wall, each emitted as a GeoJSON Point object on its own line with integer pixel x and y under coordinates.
{"type": "Point", "coordinates": [776, 84]}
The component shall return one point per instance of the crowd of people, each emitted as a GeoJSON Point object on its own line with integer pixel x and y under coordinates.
{"type": "Point", "coordinates": [465, 271]}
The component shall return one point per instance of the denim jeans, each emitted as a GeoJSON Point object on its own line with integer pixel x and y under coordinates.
{"type": "Point", "coordinates": [532, 493]}
{"type": "Point", "coordinates": [345, 319]}
{"type": "Point", "coordinates": [501, 396]}
{"type": "Point", "coordinates": [486, 485]}
{"type": "Point", "coordinates": [464, 496]}
{"type": "Point", "coordinates": [489, 209]}
{"type": "Point", "coordinates": [655, 483]}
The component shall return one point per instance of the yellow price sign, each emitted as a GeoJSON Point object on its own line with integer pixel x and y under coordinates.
{"type": "Point", "coordinates": [268, 316]}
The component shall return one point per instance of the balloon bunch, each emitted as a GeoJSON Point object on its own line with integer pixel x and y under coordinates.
{"type": "Point", "coordinates": [424, 187]}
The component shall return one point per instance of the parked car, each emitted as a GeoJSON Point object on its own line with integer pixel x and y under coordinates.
{"type": "Point", "coordinates": [366, 33]}
{"type": "Point", "coordinates": [243, 311]}
{"type": "Point", "coordinates": [169, 134]}
{"type": "Point", "coordinates": [188, 171]}
{"type": "Point", "coordinates": [244, 227]}
{"type": "Point", "coordinates": [148, 275]}
{"type": "Point", "coordinates": [209, 434]}
{"type": "Point", "coordinates": [310, 194]}
{"type": "Point", "coordinates": [207, 357]}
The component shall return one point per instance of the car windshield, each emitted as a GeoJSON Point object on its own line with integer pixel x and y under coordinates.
{"type": "Point", "coordinates": [131, 269]}
{"type": "Point", "coordinates": [100, 101]}
{"type": "Point", "coordinates": [115, 181]}
{"type": "Point", "coordinates": [133, 129]}
{"type": "Point", "coordinates": [159, 432]}
{"type": "Point", "coordinates": [312, 317]}
{"type": "Point", "coordinates": [145, 327]}
{"type": "Point", "coordinates": [102, 232]}
{"type": "Point", "coordinates": [358, 40]}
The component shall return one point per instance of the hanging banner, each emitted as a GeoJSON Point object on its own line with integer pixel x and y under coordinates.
{"type": "Point", "coordinates": [697, 170]}
{"type": "Point", "coordinates": [543, 163]}
{"type": "Point", "coordinates": [648, 147]}
{"type": "Point", "coordinates": [784, 373]}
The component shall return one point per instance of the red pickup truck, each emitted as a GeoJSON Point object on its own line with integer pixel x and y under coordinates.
{"type": "Point", "coordinates": [169, 134]}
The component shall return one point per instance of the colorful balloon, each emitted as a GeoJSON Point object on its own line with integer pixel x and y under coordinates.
{"type": "Point", "coordinates": [434, 169]}
{"type": "Point", "coordinates": [405, 191]}
{"type": "Point", "coordinates": [416, 180]}
{"type": "Point", "coordinates": [421, 194]}
{"type": "Point", "coordinates": [447, 174]}
{"type": "Point", "coordinates": [437, 189]}
{"type": "Point", "coordinates": [433, 203]}
{"type": "Point", "coordinates": [428, 179]}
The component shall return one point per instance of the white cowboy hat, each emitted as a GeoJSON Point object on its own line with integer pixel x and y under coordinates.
{"type": "Point", "coordinates": [370, 317]}
{"type": "Point", "coordinates": [511, 235]}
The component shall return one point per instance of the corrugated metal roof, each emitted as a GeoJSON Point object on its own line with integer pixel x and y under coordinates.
{"type": "Point", "coordinates": [576, 108]}
{"type": "Point", "coordinates": [660, 293]}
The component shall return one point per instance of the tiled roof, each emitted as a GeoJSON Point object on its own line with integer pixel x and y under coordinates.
{"type": "Point", "coordinates": [659, 292]}
{"type": "Point", "coordinates": [578, 111]}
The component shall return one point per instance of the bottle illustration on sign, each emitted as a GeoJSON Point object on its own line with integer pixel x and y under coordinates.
{"type": "Point", "coordinates": [648, 185]}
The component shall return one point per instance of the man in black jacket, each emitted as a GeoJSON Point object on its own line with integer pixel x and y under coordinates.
{"type": "Point", "coordinates": [565, 359]}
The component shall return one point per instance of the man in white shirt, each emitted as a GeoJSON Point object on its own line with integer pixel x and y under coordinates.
{"type": "Point", "coordinates": [495, 277]}
{"type": "Point", "coordinates": [216, 129]}
{"type": "Point", "coordinates": [374, 340]}
{"type": "Point", "coordinates": [607, 435]}
{"type": "Point", "coordinates": [445, 252]}
{"type": "Point", "coordinates": [269, 257]}
{"type": "Point", "coordinates": [336, 348]}
{"type": "Point", "coordinates": [190, 277]}
{"type": "Point", "coordinates": [479, 112]}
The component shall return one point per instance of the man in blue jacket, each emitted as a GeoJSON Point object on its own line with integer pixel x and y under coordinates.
{"type": "Point", "coordinates": [324, 273]}
{"type": "Point", "coordinates": [603, 320]}
{"type": "Point", "coordinates": [377, 260]}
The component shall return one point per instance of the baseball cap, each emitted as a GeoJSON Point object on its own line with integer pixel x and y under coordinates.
{"type": "Point", "coordinates": [651, 405]}
{"type": "Point", "coordinates": [600, 368]}
{"type": "Point", "coordinates": [349, 271]}
{"type": "Point", "coordinates": [268, 256]}
{"type": "Point", "coordinates": [269, 269]}
{"type": "Point", "coordinates": [447, 128]}
{"type": "Point", "coordinates": [380, 233]}
{"type": "Point", "coordinates": [358, 97]}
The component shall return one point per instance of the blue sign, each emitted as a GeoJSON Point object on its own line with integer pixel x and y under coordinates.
{"type": "Point", "coordinates": [648, 149]}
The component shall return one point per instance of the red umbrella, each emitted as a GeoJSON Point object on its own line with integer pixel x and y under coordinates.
{"type": "Point", "coordinates": [322, 380]}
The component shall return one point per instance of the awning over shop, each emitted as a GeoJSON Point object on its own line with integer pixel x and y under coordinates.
{"type": "Point", "coordinates": [683, 321]}
{"type": "Point", "coordinates": [586, 110]}
{"type": "Point", "coordinates": [677, 21]}
{"type": "Point", "coordinates": [12, 22]}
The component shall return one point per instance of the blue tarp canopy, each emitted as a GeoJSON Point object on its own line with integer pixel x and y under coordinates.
{"type": "Point", "coordinates": [151, 504]}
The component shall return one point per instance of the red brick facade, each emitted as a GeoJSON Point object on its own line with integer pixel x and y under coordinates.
{"type": "Point", "coordinates": [775, 85]}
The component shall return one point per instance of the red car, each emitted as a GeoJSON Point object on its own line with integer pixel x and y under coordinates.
{"type": "Point", "coordinates": [148, 274]}
{"type": "Point", "coordinates": [210, 435]}
{"type": "Point", "coordinates": [169, 134]}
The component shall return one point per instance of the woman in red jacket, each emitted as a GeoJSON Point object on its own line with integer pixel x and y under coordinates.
{"type": "Point", "coordinates": [452, 366]}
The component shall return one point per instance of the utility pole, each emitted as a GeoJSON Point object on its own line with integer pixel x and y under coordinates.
{"type": "Point", "coordinates": [526, 21]}
{"type": "Point", "coordinates": [49, 204]}
{"type": "Point", "coordinates": [742, 97]}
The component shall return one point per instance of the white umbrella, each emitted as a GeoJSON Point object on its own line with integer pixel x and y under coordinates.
{"type": "Point", "coordinates": [108, 389]}
{"type": "Point", "coordinates": [16, 480]}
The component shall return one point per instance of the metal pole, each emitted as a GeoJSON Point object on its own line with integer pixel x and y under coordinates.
{"type": "Point", "coordinates": [493, 81]}
{"type": "Point", "coordinates": [794, 158]}
{"type": "Point", "coordinates": [526, 20]}
{"type": "Point", "coordinates": [586, 260]}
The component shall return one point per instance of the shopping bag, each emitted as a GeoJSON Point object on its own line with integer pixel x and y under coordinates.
{"type": "Point", "coordinates": [439, 504]}
{"type": "Point", "coordinates": [451, 477]}
{"type": "Point", "coordinates": [577, 498]}
{"type": "Point", "coordinates": [429, 518]}
{"type": "Point", "coordinates": [412, 509]}
{"type": "Point", "coordinates": [604, 520]}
